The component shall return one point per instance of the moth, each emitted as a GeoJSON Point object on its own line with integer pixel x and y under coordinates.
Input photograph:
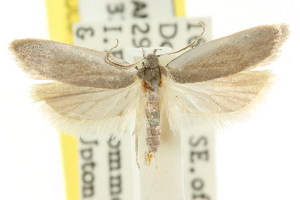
{"type": "Point", "coordinates": [95, 94]}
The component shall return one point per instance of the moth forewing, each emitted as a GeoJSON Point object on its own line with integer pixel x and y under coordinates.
{"type": "Point", "coordinates": [229, 55]}
{"type": "Point", "coordinates": [44, 59]}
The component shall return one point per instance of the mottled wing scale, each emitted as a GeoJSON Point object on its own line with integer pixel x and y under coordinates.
{"type": "Point", "coordinates": [45, 59]}
{"type": "Point", "coordinates": [220, 76]}
{"type": "Point", "coordinates": [88, 95]}
{"type": "Point", "coordinates": [228, 55]}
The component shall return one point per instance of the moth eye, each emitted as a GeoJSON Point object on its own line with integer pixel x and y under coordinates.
{"type": "Point", "coordinates": [143, 63]}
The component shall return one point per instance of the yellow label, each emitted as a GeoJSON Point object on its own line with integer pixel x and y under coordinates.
{"type": "Point", "coordinates": [61, 15]}
{"type": "Point", "coordinates": [179, 8]}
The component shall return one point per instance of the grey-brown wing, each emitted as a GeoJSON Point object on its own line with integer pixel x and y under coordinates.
{"type": "Point", "coordinates": [228, 55]}
{"type": "Point", "coordinates": [45, 59]}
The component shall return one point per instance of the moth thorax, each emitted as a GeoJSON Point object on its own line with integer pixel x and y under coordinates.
{"type": "Point", "coordinates": [150, 72]}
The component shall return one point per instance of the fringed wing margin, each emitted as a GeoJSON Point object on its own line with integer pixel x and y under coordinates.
{"type": "Point", "coordinates": [90, 112]}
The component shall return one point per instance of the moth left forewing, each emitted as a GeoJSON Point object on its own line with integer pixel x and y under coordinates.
{"type": "Point", "coordinates": [228, 55]}
{"type": "Point", "coordinates": [89, 111]}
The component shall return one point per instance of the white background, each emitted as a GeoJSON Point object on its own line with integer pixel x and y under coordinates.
{"type": "Point", "coordinates": [257, 158]}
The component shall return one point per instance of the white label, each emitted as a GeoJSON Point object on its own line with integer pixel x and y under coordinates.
{"type": "Point", "coordinates": [199, 164]}
{"type": "Point", "coordinates": [117, 10]}
{"type": "Point", "coordinates": [108, 170]}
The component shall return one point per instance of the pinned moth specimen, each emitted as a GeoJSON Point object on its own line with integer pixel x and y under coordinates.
{"type": "Point", "coordinates": [95, 94]}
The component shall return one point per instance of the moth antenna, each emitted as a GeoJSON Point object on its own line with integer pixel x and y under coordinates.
{"type": "Point", "coordinates": [119, 66]}
{"type": "Point", "coordinates": [108, 61]}
{"type": "Point", "coordinates": [189, 45]}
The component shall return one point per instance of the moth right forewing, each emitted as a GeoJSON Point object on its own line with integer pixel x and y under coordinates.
{"type": "Point", "coordinates": [70, 64]}
{"type": "Point", "coordinates": [228, 55]}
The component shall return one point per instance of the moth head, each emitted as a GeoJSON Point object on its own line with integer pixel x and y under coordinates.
{"type": "Point", "coordinates": [151, 61]}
